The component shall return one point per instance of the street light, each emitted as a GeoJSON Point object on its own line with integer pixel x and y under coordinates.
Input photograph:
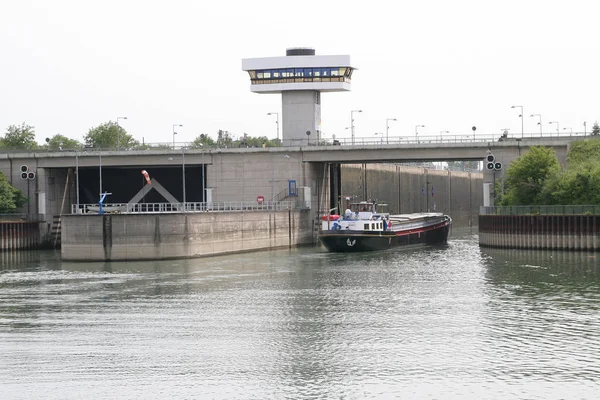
{"type": "Point", "coordinates": [441, 134]}
{"type": "Point", "coordinates": [417, 131]}
{"type": "Point", "coordinates": [183, 174]}
{"type": "Point", "coordinates": [119, 133]}
{"type": "Point", "coordinates": [379, 133]}
{"type": "Point", "coordinates": [539, 123]}
{"type": "Point", "coordinates": [557, 125]}
{"type": "Point", "coordinates": [77, 177]}
{"type": "Point", "coordinates": [387, 129]}
{"type": "Point", "coordinates": [277, 122]}
{"type": "Point", "coordinates": [521, 107]}
{"type": "Point", "coordinates": [352, 122]}
{"type": "Point", "coordinates": [570, 130]}
{"type": "Point", "coordinates": [175, 133]}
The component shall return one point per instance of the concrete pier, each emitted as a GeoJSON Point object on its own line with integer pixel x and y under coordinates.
{"type": "Point", "coordinates": [126, 237]}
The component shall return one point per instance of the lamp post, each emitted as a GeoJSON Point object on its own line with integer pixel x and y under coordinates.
{"type": "Point", "coordinates": [100, 171]}
{"type": "Point", "coordinates": [183, 174]}
{"type": "Point", "coordinates": [521, 115]}
{"type": "Point", "coordinates": [570, 130]}
{"type": "Point", "coordinates": [175, 133]}
{"type": "Point", "coordinates": [77, 177]}
{"type": "Point", "coordinates": [379, 133]}
{"type": "Point", "coordinates": [441, 135]}
{"type": "Point", "coordinates": [387, 129]}
{"type": "Point", "coordinates": [584, 128]}
{"type": "Point", "coordinates": [352, 122]}
{"type": "Point", "coordinates": [557, 126]}
{"type": "Point", "coordinates": [277, 121]}
{"type": "Point", "coordinates": [540, 122]}
{"type": "Point", "coordinates": [417, 131]}
{"type": "Point", "coordinates": [119, 133]}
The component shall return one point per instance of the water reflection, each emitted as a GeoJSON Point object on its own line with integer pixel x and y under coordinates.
{"type": "Point", "coordinates": [453, 321]}
{"type": "Point", "coordinates": [542, 314]}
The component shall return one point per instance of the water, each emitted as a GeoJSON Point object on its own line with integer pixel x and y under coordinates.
{"type": "Point", "coordinates": [451, 322]}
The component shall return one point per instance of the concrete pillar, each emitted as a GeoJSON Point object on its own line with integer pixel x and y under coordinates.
{"type": "Point", "coordinates": [301, 111]}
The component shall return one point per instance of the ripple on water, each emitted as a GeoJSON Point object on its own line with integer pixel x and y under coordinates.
{"type": "Point", "coordinates": [444, 322]}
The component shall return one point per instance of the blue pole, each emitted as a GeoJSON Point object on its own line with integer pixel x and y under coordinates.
{"type": "Point", "coordinates": [100, 210]}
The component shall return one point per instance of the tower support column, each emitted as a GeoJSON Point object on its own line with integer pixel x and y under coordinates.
{"type": "Point", "coordinates": [301, 111]}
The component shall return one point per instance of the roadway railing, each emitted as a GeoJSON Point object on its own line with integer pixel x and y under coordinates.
{"type": "Point", "coordinates": [541, 210]}
{"type": "Point", "coordinates": [338, 141]}
{"type": "Point", "coordinates": [144, 208]}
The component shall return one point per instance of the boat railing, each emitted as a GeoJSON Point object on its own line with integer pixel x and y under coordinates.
{"type": "Point", "coordinates": [139, 208]}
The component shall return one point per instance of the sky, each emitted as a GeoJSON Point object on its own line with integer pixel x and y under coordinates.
{"type": "Point", "coordinates": [70, 65]}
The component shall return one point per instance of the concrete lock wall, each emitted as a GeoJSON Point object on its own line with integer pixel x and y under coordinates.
{"type": "Point", "coordinates": [124, 237]}
{"type": "Point", "coordinates": [409, 189]}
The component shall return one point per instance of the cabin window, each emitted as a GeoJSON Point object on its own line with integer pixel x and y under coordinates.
{"type": "Point", "coordinates": [366, 227]}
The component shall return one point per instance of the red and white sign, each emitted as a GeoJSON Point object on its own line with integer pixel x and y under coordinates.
{"type": "Point", "coordinates": [260, 199]}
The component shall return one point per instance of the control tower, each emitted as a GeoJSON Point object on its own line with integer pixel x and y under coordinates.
{"type": "Point", "coordinates": [300, 77]}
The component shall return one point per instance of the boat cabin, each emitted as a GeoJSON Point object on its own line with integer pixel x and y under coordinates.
{"type": "Point", "coordinates": [362, 216]}
{"type": "Point", "coordinates": [363, 210]}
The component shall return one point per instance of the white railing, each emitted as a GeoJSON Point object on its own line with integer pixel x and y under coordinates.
{"type": "Point", "coordinates": [139, 208]}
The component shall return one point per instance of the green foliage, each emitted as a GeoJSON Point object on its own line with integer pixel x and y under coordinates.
{"type": "Point", "coordinates": [596, 129]}
{"type": "Point", "coordinates": [526, 177]}
{"type": "Point", "coordinates": [536, 179]}
{"type": "Point", "coordinates": [579, 184]}
{"type": "Point", "coordinates": [583, 151]}
{"type": "Point", "coordinates": [19, 137]}
{"type": "Point", "coordinates": [226, 140]}
{"type": "Point", "coordinates": [202, 141]}
{"type": "Point", "coordinates": [110, 135]}
{"type": "Point", "coordinates": [10, 198]}
{"type": "Point", "coordinates": [261, 141]}
{"type": "Point", "coordinates": [60, 142]}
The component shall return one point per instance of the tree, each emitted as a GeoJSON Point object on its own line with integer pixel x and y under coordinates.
{"type": "Point", "coordinates": [576, 185]}
{"type": "Point", "coordinates": [582, 151]}
{"type": "Point", "coordinates": [596, 129]}
{"type": "Point", "coordinates": [10, 197]}
{"type": "Point", "coordinates": [580, 182]}
{"type": "Point", "coordinates": [109, 135]}
{"type": "Point", "coordinates": [224, 138]}
{"type": "Point", "coordinates": [527, 175]}
{"type": "Point", "coordinates": [20, 137]}
{"type": "Point", "coordinates": [261, 141]}
{"type": "Point", "coordinates": [60, 142]}
{"type": "Point", "coordinates": [203, 140]}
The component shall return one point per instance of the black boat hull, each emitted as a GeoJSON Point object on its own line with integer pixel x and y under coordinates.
{"type": "Point", "coordinates": [357, 241]}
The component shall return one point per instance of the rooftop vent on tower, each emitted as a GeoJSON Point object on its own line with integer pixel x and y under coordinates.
{"type": "Point", "coordinates": [300, 51]}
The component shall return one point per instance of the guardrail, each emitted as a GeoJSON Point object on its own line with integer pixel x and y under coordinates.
{"type": "Point", "coordinates": [22, 217]}
{"type": "Point", "coordinates": [338, 141]}
{"type": "Point", "coordinates": [541, 210]}
{"type": "Point", "coordinates": [144, 208]}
